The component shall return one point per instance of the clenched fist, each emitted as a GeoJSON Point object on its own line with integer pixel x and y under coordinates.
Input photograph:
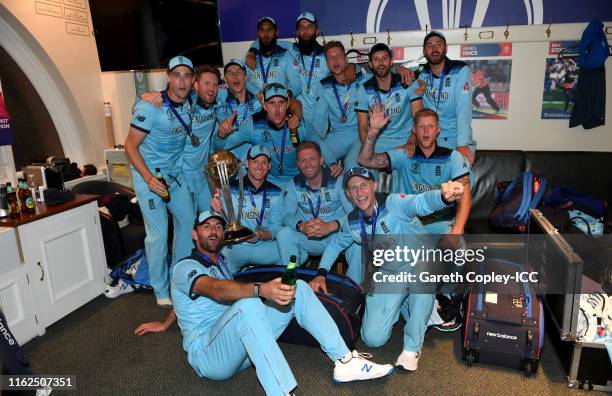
{"type": "Point", "coordinates": [451, 191]}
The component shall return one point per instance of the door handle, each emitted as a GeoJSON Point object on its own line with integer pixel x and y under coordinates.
{"type": "Point", "coordinates": [42, 271]}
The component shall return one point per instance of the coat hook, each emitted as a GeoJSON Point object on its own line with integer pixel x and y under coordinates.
{"type": "Point", "coordinates": [321, 33]}
{"type": "Point", "coordinates": [426, 29]}
{"type": "Point", "coordinates": [465, 35]}
{"type": "Point", "coordinates": [352, 40]}
{"type": "Point", "coordinates": [388, 37]}
{"type": "Point", "coordinates": [548, 30]}
{"type": "Point", "coordinates": [507, 32]}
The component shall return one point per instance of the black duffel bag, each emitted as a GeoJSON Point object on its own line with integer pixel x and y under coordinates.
{"type": "Point", "coordinates": [345, 303]}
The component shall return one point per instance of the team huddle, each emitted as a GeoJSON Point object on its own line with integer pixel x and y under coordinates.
{"type": "Point", "coordinates": [314, 133]}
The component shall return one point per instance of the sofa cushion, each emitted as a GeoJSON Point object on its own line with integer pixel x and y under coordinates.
{"type": "Point", "coordinates": [490, 168]}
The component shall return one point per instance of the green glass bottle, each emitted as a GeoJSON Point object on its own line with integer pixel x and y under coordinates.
{"type": "Point", "coordinates": [290, 275]}
{"type": "Point", "coordinates": [166, 196]}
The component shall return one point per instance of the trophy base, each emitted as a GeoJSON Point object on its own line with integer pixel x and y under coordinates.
{"type": "Point", "coordinates": [237, 235]}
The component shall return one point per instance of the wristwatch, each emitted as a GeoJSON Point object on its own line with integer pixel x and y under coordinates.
{"type": "Point", "coordinates": [256, 289]}
{"type": "Point", "coordinates": [297, 225]}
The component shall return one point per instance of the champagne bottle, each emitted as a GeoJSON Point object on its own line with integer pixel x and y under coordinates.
{"type": "Point", "coordinates": [294, 134]}
{"type": "Point", "coordinates": [290, 275]}
{"type": "Point", "coordinates": [11, 197]}
{"type": "Point", "coordinates": [166, 196]}
{"type": "Point", "coordinates": [25, 196]}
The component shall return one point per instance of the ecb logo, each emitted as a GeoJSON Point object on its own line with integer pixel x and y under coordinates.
{"type": "Point", "coordinates": [266, 135]}
{"type": "Point", "coordinates": [416, 167]}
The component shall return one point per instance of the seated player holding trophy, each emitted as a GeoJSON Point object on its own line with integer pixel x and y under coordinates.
{"type": "Point", "coordinates": [260, 210]}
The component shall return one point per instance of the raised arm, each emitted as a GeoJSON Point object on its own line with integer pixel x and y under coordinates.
{"type": "Point", "coordinates": [367, 156]}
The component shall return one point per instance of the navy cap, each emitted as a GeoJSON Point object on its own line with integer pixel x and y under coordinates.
{"type": "Point", "coordinates": [207, 214]}
{"type": "Point", "coordinates": [358, 171]}
{"type": "Point", "coordinates": [434, 33]}
{"type": "Point", "coordinates": [275, 89]}
{"type": "Point", "coordinates": [380, 47]}
{"type": "Point", "coordinates": [257, 150]}
{"type": "Point", "coordinates": [309, 16]}
{"type": "Point", "coordinates": [266, 18]}
{"type": "Point", "coordinates": [236, 62]}
{"type": "Point", "coordinates": [180, 61]}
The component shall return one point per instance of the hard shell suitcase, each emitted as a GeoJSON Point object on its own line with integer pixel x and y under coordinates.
{"type": "Point", "coordinates": [345, 303]}
{"type": "Point", "coordinates": [504, 324]}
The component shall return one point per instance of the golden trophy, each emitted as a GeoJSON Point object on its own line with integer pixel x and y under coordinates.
{"type": "Point", "coordinates": [221, 168]}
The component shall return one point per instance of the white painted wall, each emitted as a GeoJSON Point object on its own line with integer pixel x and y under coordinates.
{"type": "Point", "coordinates": [523, 130]}
{"type": "Point", "coordinates": [76, 60]}
{"type": "Point", "coordinates": [72, 62]}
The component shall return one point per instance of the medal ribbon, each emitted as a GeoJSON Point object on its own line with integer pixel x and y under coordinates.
{"type": "Point", "coordinates": [259, 213]}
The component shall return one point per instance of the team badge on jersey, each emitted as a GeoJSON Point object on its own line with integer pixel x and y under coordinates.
{"type": "Point", "coordinates": [192, 274]}
{"type": "Point", "coordinates": [416, 167]}
{"type": "Point", "coordinates": [141, 118]}
{"type": "Point", "coordinates": [397, 97]}
{"type": "Point", "coordinates": [384, 227]}
{"type": "Point", "coordinates": [447, 82]}
{"type": "Point", "coordinates": [438, 170]}
{"type": "Point", "coordinates": [266, 135]}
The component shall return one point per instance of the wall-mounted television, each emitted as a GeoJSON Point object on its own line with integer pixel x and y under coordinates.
{"type": "Point", "coordinates": [146, 34]}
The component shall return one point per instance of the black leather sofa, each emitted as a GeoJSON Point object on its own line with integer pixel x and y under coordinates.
{"type": "Point", "coordinates": [586, 172]}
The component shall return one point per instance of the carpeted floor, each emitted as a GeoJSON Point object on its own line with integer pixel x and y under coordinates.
{"type": "Point", "coordinates": [96, 343]}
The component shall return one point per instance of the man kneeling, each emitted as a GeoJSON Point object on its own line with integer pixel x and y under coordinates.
{"type": "Point", "coordinates": [226, 326]}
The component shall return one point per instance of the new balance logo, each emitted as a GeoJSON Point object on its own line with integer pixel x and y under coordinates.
{"type": "Point", "coordinates": [366, 367]}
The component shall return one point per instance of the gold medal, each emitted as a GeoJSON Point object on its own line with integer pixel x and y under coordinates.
{"type": "Point", "coordinates": [280, 168]}
{"type": "Point", "coordinates": [344, 118]}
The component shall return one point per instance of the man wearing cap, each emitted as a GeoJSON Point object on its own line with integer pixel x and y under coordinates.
{"type": "Point", "coordinates": [336, 120]}
{"type": "Point", "coordinates": [308, 60]}
{"type": "Point", "coordinates": [262, 208]}
{"type": "Point", "coordinates": [314, 202]}
{"type": "Point", "coordinates": [271, 130]}
{"type": "Point", "coordinates": [227, 327]}
{"type": "Point", "coordinates": [202, 123]}
{"type": "Point", "coordinates": [376, 221]}
{"type": "Point", "coordinates": [268, 62]}
{"type": "Point", "coordinates": [156, 139]}
{"type": "Point", "coordinates": [448, 92]}
{"type": "Point", "coordinates": [399, 102]}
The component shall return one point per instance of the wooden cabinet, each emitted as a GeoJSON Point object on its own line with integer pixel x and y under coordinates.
{"type": "Point", "coordinates": [62, 268]}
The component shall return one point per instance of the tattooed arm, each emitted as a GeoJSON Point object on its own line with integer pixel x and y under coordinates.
{"type": "Point", "coordinates": [367, 156]}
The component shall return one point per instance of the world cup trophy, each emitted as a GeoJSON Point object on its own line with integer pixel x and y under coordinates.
{"type": "Point", "coordinates": [221, 168]}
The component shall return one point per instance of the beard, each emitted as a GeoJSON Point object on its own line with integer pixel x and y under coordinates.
{"type": "Point", "coordinates": [439, 58]}
{"type": "Point", "coordinates": [307, 46]}
{"type": "Point", "coordinates": [267, 48]}
{"type": "Point", "coordinates": [381, 73]}
{"type": "Point", "coordinates": [203, 242]}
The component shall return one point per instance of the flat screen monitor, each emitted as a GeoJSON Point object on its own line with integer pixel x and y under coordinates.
{"type": "Point", "coordinates": [146, 34]}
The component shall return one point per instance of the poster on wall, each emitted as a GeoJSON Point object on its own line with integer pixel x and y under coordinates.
{"type": "Point", "coordinates": [491, 81]}
{"type": "Point", "coordinates": [6, 134]}
{"type": "Point", "coordinates": [560, 80]}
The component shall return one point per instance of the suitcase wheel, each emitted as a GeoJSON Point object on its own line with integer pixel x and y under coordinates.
{"type": "Point", "coordinates": [469, 359]}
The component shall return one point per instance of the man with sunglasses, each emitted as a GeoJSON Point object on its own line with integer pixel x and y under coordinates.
{"type": "Point", "coordinates": [156, 140]}
{"type": "Point", "coordinates": [377, 220]}
{"type": "Point", "coordinates": [226, 326]}
{"type": "Point", "coordinates": [270, 129]}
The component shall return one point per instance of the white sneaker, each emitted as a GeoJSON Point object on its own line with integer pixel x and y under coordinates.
{"type": "Point", "coordinates": [164, 302]}
{"type": "Point", "coordinates": [117, 290]}
{"type": "Point", "coordinates": [356, 367]}
{"type": "Point", "coordinates": [408, 360]}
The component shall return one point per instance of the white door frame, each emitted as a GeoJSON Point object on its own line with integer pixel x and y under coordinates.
{"type": "Point", "coordinates": [48, 82]}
